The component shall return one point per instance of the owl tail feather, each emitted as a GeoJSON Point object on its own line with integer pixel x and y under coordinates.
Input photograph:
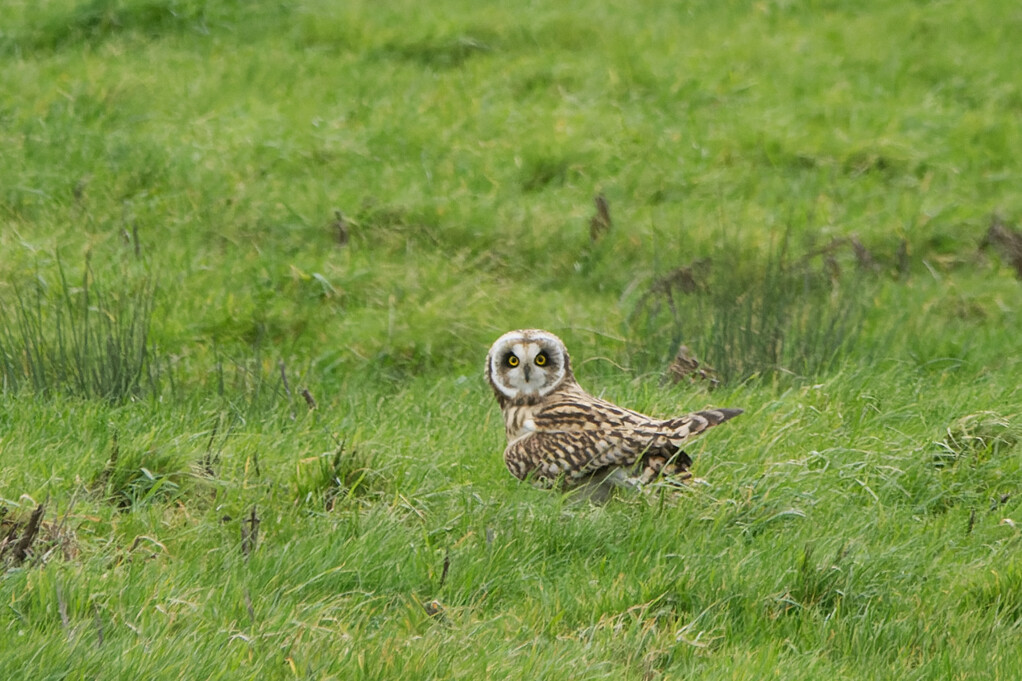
{"type": "Point", "coordinates": [717, 416]}
{"type": "Point", "coordinates": [660, 464]}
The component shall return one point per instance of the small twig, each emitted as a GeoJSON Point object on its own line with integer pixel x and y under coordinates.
{"type": "Point", "coordinates": [134, 239]}
{"type": "Point", "coordinates": [447, 566]}
{"type": "Point", "coordinates": [600, 223]}
{"type": "Point", "coordinates": [31, 530]}
{"type": "Point", "coordinates": [1008, 240]}
{"type": "Point", "coordinates": [283, 378]}
{"type": "Point", "coordinates": [901, 258]}
{"type": "Point", "coordinates": [309, 399]}
{"type": "Point", "coordinates": [207, 458]}
{"type": "Point", "coordinates": [863, 257]}
{"type": "Point", "coordinates": [972, 522]}
{"type": "Point", "coordinates": [340, 226]}
{"type": "Point", "coordinates": [249, 534]}
{"type": "Point", "coordinates": [211, 459]}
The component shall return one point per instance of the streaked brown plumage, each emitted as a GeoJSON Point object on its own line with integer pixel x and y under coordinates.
{"type": "Point", "coordinates": [559, 433]}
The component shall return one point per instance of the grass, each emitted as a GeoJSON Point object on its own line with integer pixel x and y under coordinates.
{"type": "Point", "coordinates": [78, 339]}
{"type": "Point", "coordinates": [756, 315]}
{"type": "Point", "coordinates": [294, 228]}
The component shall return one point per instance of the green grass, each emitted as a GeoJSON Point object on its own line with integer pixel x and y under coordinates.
{"type": "Point", "coordinates": [77, 338]}
{"type": "Point", "coordinates": [170, 177]}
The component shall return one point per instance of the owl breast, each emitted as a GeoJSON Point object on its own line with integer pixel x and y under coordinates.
{"type": "Point", "coordinates": [519, 420]}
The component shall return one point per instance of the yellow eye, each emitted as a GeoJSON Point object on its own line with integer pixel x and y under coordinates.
{"type": "Point", "coordinates": [512, 361]}
{"type": "Point", "coordinates": [540, 359]}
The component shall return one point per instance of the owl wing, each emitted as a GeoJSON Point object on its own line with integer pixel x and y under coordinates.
{"type": "Point", "coordinates": [568, 455]}
{"type": "Point", "coordinates": [575, 441]}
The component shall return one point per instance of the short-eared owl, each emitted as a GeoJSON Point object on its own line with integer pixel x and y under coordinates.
{"type": "Point", "coordinates": [558, 433]}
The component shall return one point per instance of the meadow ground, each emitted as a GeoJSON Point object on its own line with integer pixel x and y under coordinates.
{"type": "Point", "coordinates": [253, 255]}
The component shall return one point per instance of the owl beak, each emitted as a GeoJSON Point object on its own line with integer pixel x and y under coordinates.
{"type": "Point", "coordinates": [527, 370]}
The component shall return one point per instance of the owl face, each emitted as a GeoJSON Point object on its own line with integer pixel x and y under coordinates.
{"type": "Point", "coordinates": [527, 363]}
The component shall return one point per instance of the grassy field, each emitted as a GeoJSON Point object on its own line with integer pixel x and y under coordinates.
{"type": "Point", "coordinates": [253, 255]}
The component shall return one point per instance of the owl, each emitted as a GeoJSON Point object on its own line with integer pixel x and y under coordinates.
{"type": "Point", "coordinates": [560, 435]}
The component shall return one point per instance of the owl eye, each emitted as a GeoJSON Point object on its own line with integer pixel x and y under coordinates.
{"type": "Point", "coordinates": [540, 359]}
{"type": "Point", "coordinates": [512, 361]}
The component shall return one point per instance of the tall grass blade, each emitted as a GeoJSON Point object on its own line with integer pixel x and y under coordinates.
{"type": "Point", "coordinates": [88, 341]}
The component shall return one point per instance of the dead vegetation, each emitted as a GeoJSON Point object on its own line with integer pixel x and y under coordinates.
{"type": "Point", "coordinates": [977, 436]}
{"type": "Point", "coordinates": [1007, 241]}
{"type": "Point", "coordinates": [601, 222]}
{"type": "Point", "coordinates": [685, 367]}
{"type": "Point", "coordinates": [791, 311]}
{"type": "Point", "coordinates": [32, 538]}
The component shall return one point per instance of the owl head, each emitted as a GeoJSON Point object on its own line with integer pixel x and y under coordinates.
{"type": "Point", "coordinates": [527, 364]}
